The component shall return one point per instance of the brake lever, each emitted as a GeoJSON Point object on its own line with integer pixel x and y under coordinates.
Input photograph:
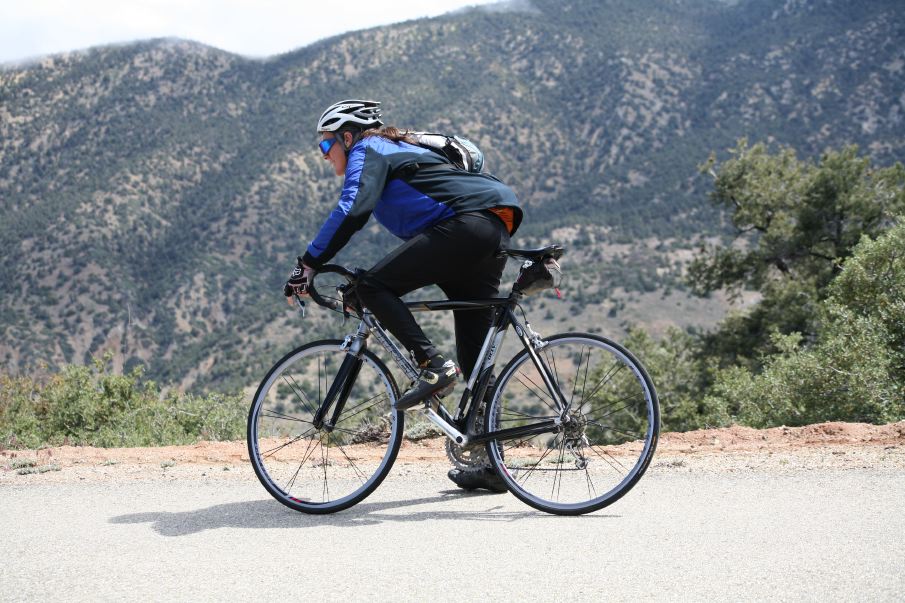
{"type": "Point", "coordinates": [300, 303]}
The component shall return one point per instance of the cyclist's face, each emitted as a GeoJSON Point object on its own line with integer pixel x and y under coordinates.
{"type": "Point", "coordinates": [336, 156]}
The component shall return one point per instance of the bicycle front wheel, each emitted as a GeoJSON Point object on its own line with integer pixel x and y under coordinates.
{"type": "Point", "coordinates": [318, 468]}
{"type": "Point", "coordinates": [601, 451]}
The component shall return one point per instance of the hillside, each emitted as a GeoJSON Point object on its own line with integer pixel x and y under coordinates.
{"type": "Point", "coordinates": [154, 195]}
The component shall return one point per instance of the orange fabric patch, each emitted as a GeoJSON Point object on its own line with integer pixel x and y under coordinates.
{"type": "Point", "coordinates": [507, 215]}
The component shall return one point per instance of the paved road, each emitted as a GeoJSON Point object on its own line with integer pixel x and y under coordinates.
{"type": "Point", "coordinates": [809, 535]}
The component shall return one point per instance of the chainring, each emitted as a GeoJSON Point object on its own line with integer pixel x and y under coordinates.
{"type": "Point", "coordinates": [466, 457]}
{"type": "Point", "coordinates": [471, 455]}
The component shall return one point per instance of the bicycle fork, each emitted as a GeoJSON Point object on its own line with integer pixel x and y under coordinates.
{"type": "Point", "coordinates": [338, 393]}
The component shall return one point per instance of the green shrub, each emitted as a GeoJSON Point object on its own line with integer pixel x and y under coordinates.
{"type": "Point", "coordinates": [90, 405]}
{"type": "Point", "coordinates": [872, 286]}
{"type": "Point", "coordinates": [845, 377]}
{"type": "Point", "coordinates": [679, 376]}
{"type": "Point", "coordinates": [855, 371]}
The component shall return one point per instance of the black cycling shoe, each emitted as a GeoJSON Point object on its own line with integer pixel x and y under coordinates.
{"type": "Point", "coordinates": [433, 381]}
{"type": "Point", "coordinates": [477, 477]}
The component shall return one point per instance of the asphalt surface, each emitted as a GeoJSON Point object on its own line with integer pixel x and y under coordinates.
{"type": "Point", "coordinates": [678, 536]}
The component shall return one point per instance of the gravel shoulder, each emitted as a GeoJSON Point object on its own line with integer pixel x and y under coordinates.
{"type": "Point", "coordinates": [734, 449]}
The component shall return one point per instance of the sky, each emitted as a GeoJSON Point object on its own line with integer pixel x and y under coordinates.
{"type": "Point", "coordinates": [254, 28]}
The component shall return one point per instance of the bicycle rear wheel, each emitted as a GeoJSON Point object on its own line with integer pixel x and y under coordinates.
{"type": "Point", "coordinates": [319, 469]}
{"type": "Point", "coordinates": [601, 452]}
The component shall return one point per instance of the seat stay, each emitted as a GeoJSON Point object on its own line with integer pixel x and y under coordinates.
{"type": "Point", "coordinates": [528, 338]}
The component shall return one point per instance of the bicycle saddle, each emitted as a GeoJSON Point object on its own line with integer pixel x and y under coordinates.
{"type": "Point", "coordinates": [536, 255]}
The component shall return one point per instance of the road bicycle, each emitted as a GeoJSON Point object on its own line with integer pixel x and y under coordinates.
{"type": "Point", "coordinates": [570, 423]}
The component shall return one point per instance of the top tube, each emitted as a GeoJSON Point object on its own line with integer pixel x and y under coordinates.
{"type": "Point", "coordinates": [458, 304]}
{"type": "Point", "coordinates": [535, 255]}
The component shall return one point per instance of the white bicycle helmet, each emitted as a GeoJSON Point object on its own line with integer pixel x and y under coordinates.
{"type": "Point", "coordinates": [363, 114]}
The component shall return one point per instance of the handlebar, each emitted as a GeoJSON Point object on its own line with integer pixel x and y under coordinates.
{"type": "Point", "coordinates": [330, 304]}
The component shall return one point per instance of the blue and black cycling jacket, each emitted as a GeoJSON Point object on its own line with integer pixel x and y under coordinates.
{"type": "Point", "coordinates": [408, 189]}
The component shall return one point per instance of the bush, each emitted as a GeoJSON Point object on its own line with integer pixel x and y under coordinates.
{"type": "Point", "coordinates": [846, 377]}
{"type": "Point", "coordinates": [89, 405]}
{"type": "Point", "coordinates": [679, 376]}
{"type": "Point", "coordinates": [855, 371]}
{"type": "Point", "coordinates": [873, 286]}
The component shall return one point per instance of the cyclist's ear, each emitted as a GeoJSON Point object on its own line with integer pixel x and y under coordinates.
{"type": "Point", "coordinates": [348, 140]}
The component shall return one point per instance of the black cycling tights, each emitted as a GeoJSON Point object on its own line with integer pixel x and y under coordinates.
{"type": "Point", "coordinates": [460, 256]}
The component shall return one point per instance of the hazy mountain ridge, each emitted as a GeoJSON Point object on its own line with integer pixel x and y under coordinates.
{"type": "Point", "coordinates": [164, 187]}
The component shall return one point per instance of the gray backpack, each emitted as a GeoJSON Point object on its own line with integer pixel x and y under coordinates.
{"type": "Point", "coordinates": [461, 152]}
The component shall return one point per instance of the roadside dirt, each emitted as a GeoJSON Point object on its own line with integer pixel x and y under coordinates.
{"type": "Point", "coordinates": [733, 449]}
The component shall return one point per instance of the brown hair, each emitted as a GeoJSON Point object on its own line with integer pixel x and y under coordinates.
{"type": "Point", "coordinates": [390, 133]}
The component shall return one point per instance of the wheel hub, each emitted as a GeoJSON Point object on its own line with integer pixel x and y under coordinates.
{"type": "Point", "coordinates": [575, 440]}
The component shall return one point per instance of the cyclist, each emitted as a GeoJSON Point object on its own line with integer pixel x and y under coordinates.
{"type": "Point", "coordinates": [452, 222]}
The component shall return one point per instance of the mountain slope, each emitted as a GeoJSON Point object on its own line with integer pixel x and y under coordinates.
{"type": "Point", "coordinates": [153, 195]}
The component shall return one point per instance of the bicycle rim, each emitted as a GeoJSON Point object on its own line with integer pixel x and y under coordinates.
{"type": "Point", "coordinates": [602, 451]}
{"type": "Point", "coordinates": [321, 470]}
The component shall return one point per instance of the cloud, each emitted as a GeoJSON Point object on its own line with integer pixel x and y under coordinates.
{"type": "Point", "coordinates": [248, 27]}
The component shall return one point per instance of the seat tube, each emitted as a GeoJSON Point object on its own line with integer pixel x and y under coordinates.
{"type": "Point", "coordinates": [486, 356]}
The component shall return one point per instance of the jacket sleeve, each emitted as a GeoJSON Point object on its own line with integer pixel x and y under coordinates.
{"type": "Point", "coordinates": [366, 176]}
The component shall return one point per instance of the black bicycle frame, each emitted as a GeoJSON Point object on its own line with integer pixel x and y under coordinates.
{"type": "Point", "coordinates": [503, 317]}
{"type": "Point", "coordinates": [466, 413]}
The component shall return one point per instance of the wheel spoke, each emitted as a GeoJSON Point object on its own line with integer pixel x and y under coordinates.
{"type": "Point", "coordinates": [628, 400]}
{"type": "Point", "coordinates": [578, 372]}
{"type": "Point", "coordinates": [606, 402]}
{"type": "Point", "coordinates": [624, 470]}
{"type": "Point", "coordinates": [536, 395]}
{"type": "Point", "coordinates": [536, 465]}
{"type": "Point", "coordinates": [562, 453]}
{"type": "Point", "coordinates": [299, 392]}
{"type": "Point", "coordinates": [525, 415]}
{"type": "Point", "coordinates": [377, 399]}
{"type": "Point", "coordinates": [590, 482]}
{"type": "Point", "coordinates": [272, 414]}
{"type": "Point", "coordinates": [305, 456]}
{"type": "Point", "coordinates": [290, 442]}
{"type": "Point", "coordinates": [358, 472]}
{"type": "Point", "coordinates": [616, 429]}
{"type": "Point", "coordinates": [517, 444]}
{"type": "Point", "coordinates": [324, 459]}
{"type": "Point", "coordinates": [606, 379]}
{"type": "Point", "coordinates": [331, 470]}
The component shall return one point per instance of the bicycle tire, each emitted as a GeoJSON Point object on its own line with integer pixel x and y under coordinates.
{"type": "Point", "coordinates": [607, 453]}
{"type": "Point", "coordinates": [283, 442]}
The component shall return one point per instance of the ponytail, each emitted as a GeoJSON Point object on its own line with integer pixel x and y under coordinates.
{"type": "Point", "coordinates": [390, 133]}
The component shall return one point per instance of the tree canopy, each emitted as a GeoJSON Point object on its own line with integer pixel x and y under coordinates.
{"type": "Point", "coordinates": [796, 222]}
{"type": "Point", "coordinates": [823, 245]}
